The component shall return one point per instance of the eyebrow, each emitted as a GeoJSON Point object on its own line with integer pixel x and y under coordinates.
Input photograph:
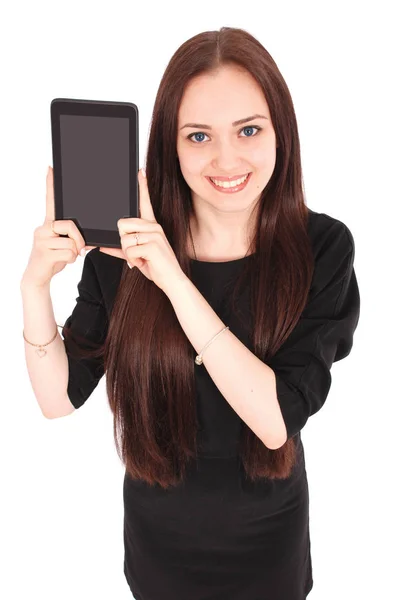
{"type": "Point", "coordinates": [234, 124]}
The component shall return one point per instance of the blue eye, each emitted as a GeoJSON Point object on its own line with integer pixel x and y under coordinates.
{"type": "Point", "coordinates": [201, 133]}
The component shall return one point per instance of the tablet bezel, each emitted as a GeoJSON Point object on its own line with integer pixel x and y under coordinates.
{"type": "Point", "coordinates": [68, 106]}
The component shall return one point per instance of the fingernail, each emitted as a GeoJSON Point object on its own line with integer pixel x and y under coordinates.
{"type": "Point", "coordinates": [143, 172]}
{"type": "Point", "coordinates": [130, 266]}
{"type": "Point", "coordinates": [83, 252]}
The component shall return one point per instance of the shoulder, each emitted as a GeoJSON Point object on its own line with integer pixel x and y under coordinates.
{"type": "Point", "coordinates": [329, 236]}
{"type": "Point", "coordinates": [333, 250]}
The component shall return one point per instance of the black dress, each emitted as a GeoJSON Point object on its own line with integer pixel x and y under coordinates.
{"type": "Point", "coordinates": [218, 536]}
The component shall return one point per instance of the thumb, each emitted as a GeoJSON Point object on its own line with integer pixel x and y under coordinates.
{"type": "Point", "coordinates": [50, 208]}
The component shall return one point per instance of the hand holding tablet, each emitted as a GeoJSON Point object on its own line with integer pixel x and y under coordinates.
{"type": "Point", "coordinates": [55, 244]}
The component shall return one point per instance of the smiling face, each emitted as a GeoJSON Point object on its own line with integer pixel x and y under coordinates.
{"type": "Point", "coordinates": [215, 147]}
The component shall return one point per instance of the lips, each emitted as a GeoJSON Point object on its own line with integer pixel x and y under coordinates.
{"type": "Point", "coordinates": [228, 179]}
{"type": "Point", "coordinates": [230, 190]}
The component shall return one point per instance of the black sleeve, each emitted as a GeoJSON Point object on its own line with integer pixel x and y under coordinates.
{"type": "Point", "coordinates": [88, 323]}
{"type": "Point", "coordinates": [324, 333]}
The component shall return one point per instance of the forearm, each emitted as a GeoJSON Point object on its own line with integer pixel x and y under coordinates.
{"type": "Point", "coordinates": [246, 382]}
{"type": "Point", "coordinates": [48, 374]}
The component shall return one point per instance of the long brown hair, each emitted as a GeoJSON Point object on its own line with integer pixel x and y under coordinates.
{"type": "Point", "coordinates": [148, 360]}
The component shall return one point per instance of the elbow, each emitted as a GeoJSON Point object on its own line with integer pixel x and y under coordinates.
{"type": "Point", "coordinates": [49, 417]}
{"type": "Point", "coordinates": [276, 444]}
{"type": "Point", "coordinates": [57, 415]}
{"type": "Point", "coordinates": [278, 438]}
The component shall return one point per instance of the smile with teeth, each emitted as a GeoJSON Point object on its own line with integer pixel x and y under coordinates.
{"type": "Point", "coordinates": [229, 184]}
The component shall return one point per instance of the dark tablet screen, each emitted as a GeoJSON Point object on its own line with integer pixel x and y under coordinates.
{"type": "Point", "coordinates": [93, 158]}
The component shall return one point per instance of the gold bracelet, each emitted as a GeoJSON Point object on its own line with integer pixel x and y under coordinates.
{"type": "Point", "coordinates": [41, 352]}
{"type": "Point", "coordinates": [199, 358]}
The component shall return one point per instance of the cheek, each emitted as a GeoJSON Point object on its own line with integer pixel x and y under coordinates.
{"type": "Point", "coordinates": [262, 153]}
{"type": "Point", "coordinates": [193, 163]}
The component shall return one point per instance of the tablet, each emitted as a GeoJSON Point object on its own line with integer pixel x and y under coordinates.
{"type": "Point", "coordinates": [95, 166]}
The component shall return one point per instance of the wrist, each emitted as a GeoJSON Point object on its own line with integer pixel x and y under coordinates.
{"type": "Point", "coordinates": [29, 286]}
{"type": "Point", "coordinates": [177, 285]}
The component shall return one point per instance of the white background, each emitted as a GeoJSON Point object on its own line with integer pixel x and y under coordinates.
{"type": "Point", "coordinates": [61, 501]}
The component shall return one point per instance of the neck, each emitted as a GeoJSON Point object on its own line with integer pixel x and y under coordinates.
{"type": "Point", "coordinates": [226, 231]}
{"type": "Point", "coordinates": [218, 242]}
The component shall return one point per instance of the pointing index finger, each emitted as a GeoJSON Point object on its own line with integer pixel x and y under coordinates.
{"type": "Point", "coordinates": [144, 198]}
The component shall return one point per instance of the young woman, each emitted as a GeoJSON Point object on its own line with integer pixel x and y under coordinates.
{"type": "Point", "coordinates": [217, 343]}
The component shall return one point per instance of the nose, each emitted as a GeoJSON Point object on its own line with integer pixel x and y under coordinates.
{"type": "Point", "coordinates": [227, 159]}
